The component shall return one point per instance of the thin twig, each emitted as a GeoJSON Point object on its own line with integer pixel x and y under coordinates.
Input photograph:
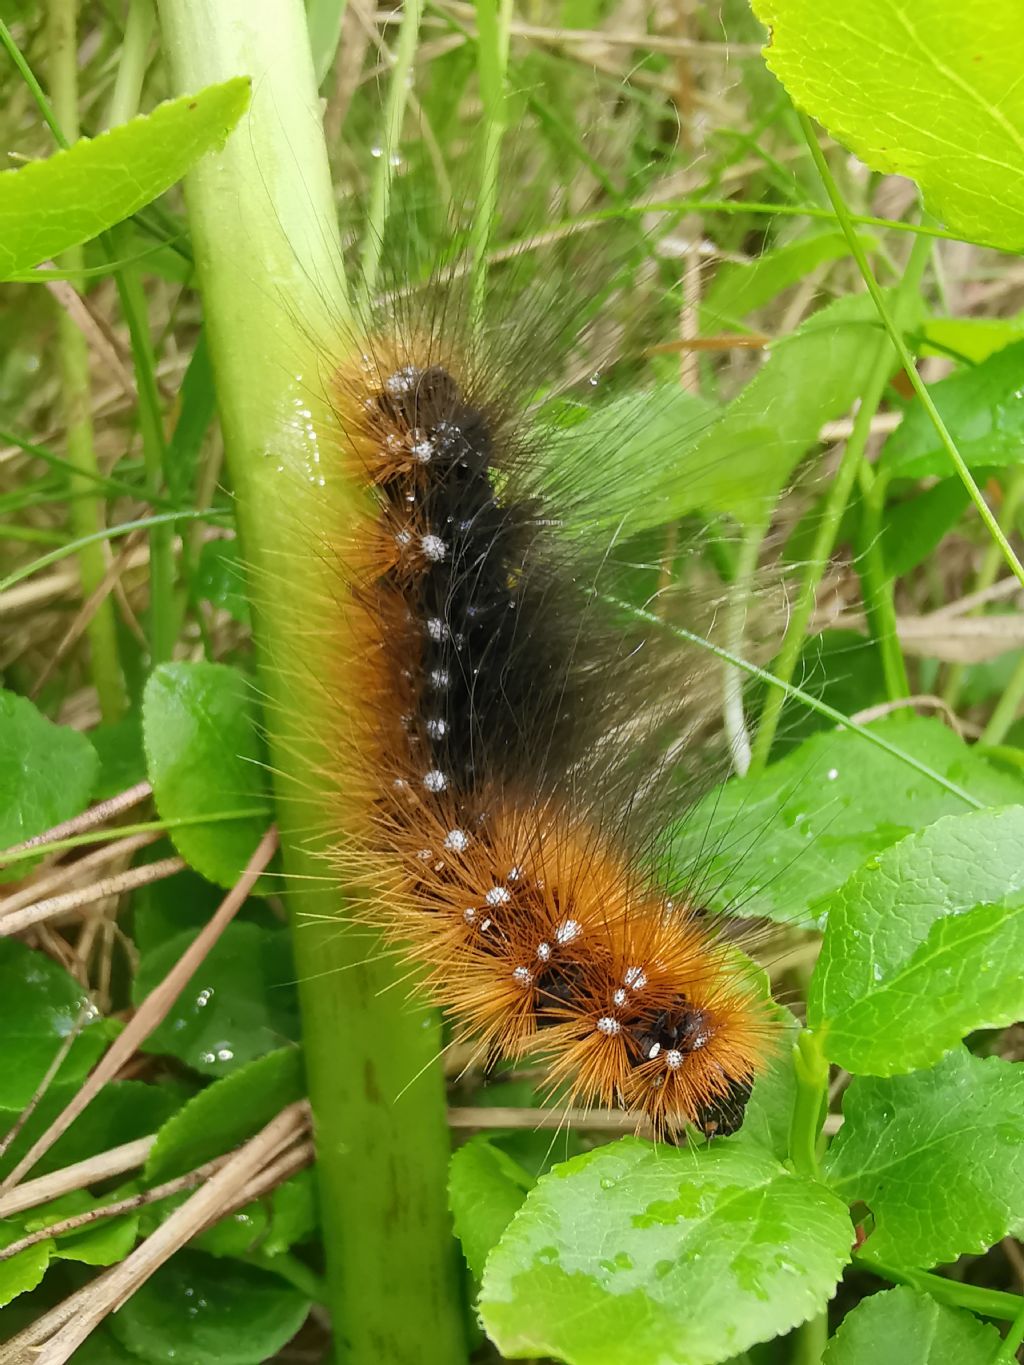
{"type": "Point", "coordinates": [153, 1010]}
{"type": "Point", "coordinates": [89, 819]}
{"type": "Point", "coordinates": [134, 877]}
{"type": "Point", "coordinates": [74, 871]}
{"type": "Point", "coordinates": [113, 1162]}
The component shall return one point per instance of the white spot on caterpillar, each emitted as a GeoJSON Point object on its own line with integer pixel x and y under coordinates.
{"type": "Point", "coordinates": [402, 380]}
{"type": "Point", "coordinates": [544, 952]}
{"type": "Point", "coordinates": [435, 781]}
{"type": "Point", "coordinates": [436, 628]}
{"type": "Point", "coordinates": [457, 840]}
{"type": "Point", "coordinates": [437, 729]}
{"type": "Point", "coordinates": [514, 873]}
{"type": "Point", "coordinates": [635, 978]}
{"type": "Point", "coordinates": [423, 449]}
{"type": "Point", "coordinates": [440, 678]}
{"type": "Point", "coordinates": [608, 1026]}
{"type": "Point", "coordinates": [497, 896]}
{"type": "Point", "coordinates": [619, 998]}
{"type": "Point", "coordinates": [655, 1049]}
{"type": "Point", "coordinates": [485, 925]}
{"type": "Point", "coordinates": [673, 1059]}
{"type": "Point", "coordinates": [434, 548]}
{"type": "Point", "coordinates": [402, 539]}
{"type": "Point", "coordinates": [469, 915]}
{"type": "Point", "coordinates": [424, 855]}
{"type": "Point", "coordinates": [568, 930]}
{"type": "Point", "coordinates": [400, 784]}
{"type": "Point", "coordinates": [523, 975]}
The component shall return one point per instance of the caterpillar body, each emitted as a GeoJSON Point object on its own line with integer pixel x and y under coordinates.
{"type": "Point", "coordinates": [508, 744]}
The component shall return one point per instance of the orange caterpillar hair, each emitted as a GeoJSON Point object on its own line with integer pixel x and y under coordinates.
{"type": "Point", "coordinates": [500, 743]}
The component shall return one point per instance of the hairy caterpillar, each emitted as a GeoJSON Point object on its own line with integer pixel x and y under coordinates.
{"type": "Point", "coordinates": [508, 739]}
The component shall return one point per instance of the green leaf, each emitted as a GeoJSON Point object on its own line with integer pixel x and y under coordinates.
{"type": "Point", "coordinates": [642, 479]}
{"type": "Point", "coordinates": [924, 945]}
{"type": "Point", "coordinates": [931, 92]}
{"type": "Point", "coordinates": [47, 773]}
{"type": "Point", "coordinates": [196, 1311]}
{"type": "Point", "coordinates": [740, 465]}
{"type": "Point", "coordinates": [776, 844]}
{"type": "Point", "coordinates": [485, 1189]}
{"type": "Point", "coordinates": [122, 761]}
{"type": "Point", "coordinates": [293, 1214]}
{"type": "Point", "coordinates": [766, 1118]}
{"type": "Point", "coordinates": [219, 578]}
{"type": "Point", "coordinates": [937, 1156]}
{"type": "Point", "coordinates": [903, 1325]}
{"type": "Point", "coordinates": [121, 1112]}
{"type": "Point", "coordinates": [102, 1243]}
{"type": "Point", "coordinates": [226, 1113]}
{"type": "Point", "coordinates": [911, 529]}
{"type": "Point", "coordinates": [24, 1271]}
{"type": "Point", "coordinates": [984, 412]}
{"type": "Point", "coordinates": [740, 288]}
{"type": "Point", "coordinates": [205, 758]}
{"type": "Point", "coordinates": [40, 1005]}
{"type": "Point", "coordinates": [971, 339]}
{"type": "Point", "coordinates": [635, 1252]}
{"type": "Point", "coordinates": [240, 1004]}
{"type": "Point", "coordinates": [74, 195]}
{"type": "Point", "coordinates": [167, 908]}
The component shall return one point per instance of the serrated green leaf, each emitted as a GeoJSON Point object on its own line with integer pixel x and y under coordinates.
{"type": "Point", "coordinates": [293, 1214]}
{"type": "Point", "coordinates": [931, 92]}
{"type": "Point", "coordinates": [767, 1116]}
{"type": "Point", "coordinates": [40, 1005]}
{"type": "Point", "coordinates": [219, 578]}
{"type": "Point", "coordinates": [971, 339]}
{"type": "Point", "coordinates": [240, 1004]}
{"type": "Point", "coordinates": [196, 1311]}
{"type": "Point", "coordinates": [903, 1325]}
{"type": "Point", "coordinates": [205, 758]}
{"type": "Point", "coordinates": [25, 1270]}
{"type": "Point", "coordinates": [777, 844]}
{"type": "Point", "coordinates": [101, 1243]}
{"type": "Point", "coordinates": [636, 1252]}
{"type": "Point", "coordinates": [121, 1112]}
{"type": "Point", "coordinates": [226, 1113]}
{"type": "Point", "coordinates": [485, 1189]}
{"type": "Point", "coordinates": [937, 1156]}
{"type": "Point", "coordinates": [983, 408]}
{"type": "Point", "coordinates": [47, 773]}
{"type": "Point", "coordinates": [74, 195]}
{"type": "Point", "coordinates": [923, 945]}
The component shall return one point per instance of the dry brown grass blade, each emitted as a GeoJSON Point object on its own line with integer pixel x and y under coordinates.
{"type": "Point", "coordinates": [152, 1011]}
{"type": "Point", "coordinates": [115, 1161]}
{"type": "Point", "coordinates": [19, 920]}
{"type": "Point", "coordinates": [84, 867]}
{"type": "Point", "coordinates": [89, 819]}
{"type": "Point", "coordinates": [57, 1335]}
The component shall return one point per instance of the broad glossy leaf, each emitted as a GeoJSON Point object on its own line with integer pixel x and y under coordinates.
{"type": "Point", "coordinates": [914, 1329]}
{"type": "Point", "coordinates": [636, 1252]}
{"type": "Point", "coordinates": [205, 758]}
{"type": "Point", "coordinates": [777, 844]}
{"type": "Point", "coordinates": [240, 1004]}
{"type": "Point", "coordinates": [196, 1310]}
{"type": "Point", "coordinates": [485, 1189]}
{"type": "Point", "coordinates": [226, 1113]}
{"type": "Point", "coordinates": [47, 774]}
{"type": "Point", "coordinates": [40, 1005]}
{"type": "Point", "coordinates": [983, 407]}
{"type": "Point", "coordinates": [923, 945]}
{"type": "Point", "coordinates": [74, 195]}
{"type": "Point", "coordinates": [928, 91]}
{"type": "Point", "coordinates": [937, 1156]}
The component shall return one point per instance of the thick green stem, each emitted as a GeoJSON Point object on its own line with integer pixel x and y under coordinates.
{"type": "Point", "coordinates": [991, 1303]}
{"type": "Point", "coordinates": [73, 354]}
{"type": "Point", "coordinates": [811, 1067]}
{"type": "Point", "coordinates": [266, 250]}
